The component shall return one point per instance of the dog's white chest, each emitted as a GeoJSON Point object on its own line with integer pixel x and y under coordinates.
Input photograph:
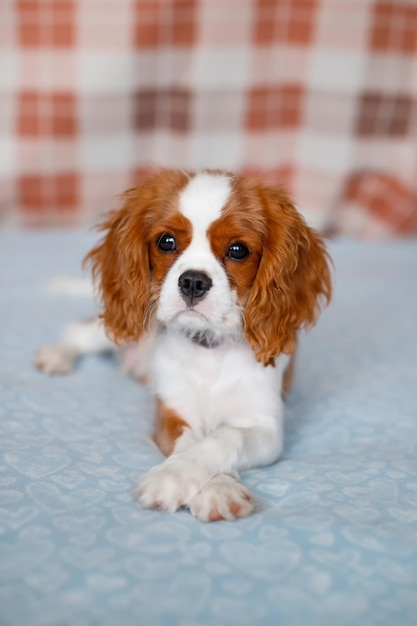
{"type": "Point", "coordinates": [212, 386]}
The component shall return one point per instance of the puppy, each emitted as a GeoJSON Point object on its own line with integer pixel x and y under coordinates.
{"type": "Point", "coordinates": [211, 275]}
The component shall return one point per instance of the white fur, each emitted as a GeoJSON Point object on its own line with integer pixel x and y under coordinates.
{"type": "Point", "coordinates": [231, 402]}
{"type": "Point", "coordinates": [222, 497]}
{"type": "Point", "coordinates": [55, 359]}
{"type": "Point", "coordinates": [79, 338]}
{"type": "Point", "coordinates": [235, 412]}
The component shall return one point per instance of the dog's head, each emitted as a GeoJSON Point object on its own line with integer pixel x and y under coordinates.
{"type": "Point", "coordinates": [213, 255]}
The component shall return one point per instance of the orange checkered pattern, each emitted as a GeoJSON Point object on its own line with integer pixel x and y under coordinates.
{"type": "Point", "coordinates": [320, 95]}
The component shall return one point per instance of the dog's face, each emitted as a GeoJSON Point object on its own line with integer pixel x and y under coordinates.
{"type": "Point", "coordinates": [205, 259]}
{"type": "Point", "coordinates": [214, 256]}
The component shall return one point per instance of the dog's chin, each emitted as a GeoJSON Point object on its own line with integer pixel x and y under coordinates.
{"type": "Point", "coordinates": [198, 327]}
{"type": "Point", "coordinates": [190, 321]}
{"type": "Point", "coordinates": [193, 324]}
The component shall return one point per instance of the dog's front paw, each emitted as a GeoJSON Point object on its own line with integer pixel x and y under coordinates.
{"type": "Point", "coordinates": [55, 359]}
{"type": "Point", "coordinates": [223, 498]}
{"type": "Point", "coordinates": [171, 485]}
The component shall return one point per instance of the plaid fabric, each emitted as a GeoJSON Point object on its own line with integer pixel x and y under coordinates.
{"type": "Point", "coordinates": [320, 95]}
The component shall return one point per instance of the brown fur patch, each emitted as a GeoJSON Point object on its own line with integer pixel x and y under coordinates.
{"type": "Point", "coordinates": [293, 278]}
{"type": "Point", "coordinates": [174, 224]}
{"type": "Point", "coordinates": [285, 278]}
{"type": "Point", "coordinates": [168, 427]}
{"type": "Point", "coordinates": [240, 222]}
{"type": "Point", "coordinates": [126, 264]}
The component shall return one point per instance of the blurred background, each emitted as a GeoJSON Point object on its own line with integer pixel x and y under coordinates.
{"type": "Point", "coordinates": [319, 95]}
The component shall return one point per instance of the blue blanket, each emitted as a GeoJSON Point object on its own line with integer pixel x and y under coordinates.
{"type": "Point", "coordinates": [334, 536]}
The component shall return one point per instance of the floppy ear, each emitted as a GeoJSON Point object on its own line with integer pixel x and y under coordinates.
{"type": "Point", "coordinates": [292, 280]}
{"type": "Point", "coordinates": [121, 270]}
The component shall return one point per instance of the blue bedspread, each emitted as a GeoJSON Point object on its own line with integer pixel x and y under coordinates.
{"type": "Point", "coordinates": [334, 538]}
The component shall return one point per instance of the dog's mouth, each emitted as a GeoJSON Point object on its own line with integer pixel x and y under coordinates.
{"type": "Point", "coordinates": [191, 313]}
{"type": "Point", "coordinates": [193, 323]}
{"type": "Point", "coordinates": [203, 325]}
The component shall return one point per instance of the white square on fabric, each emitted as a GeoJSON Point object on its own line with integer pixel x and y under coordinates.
{"type": "Point", "coordinates": [9, 70]}
{"type": "Point", "coordinates": [217, 150]}
{"type": "Point", "coordinates": [222, 68]}
{"type": "Point", "coordinates": [106, 71]}
{"type": "Point", "coordinates": [113, 152]}
{"type": "Point", "coordinates": [332, 154]}
{"type": "Point", "coordinates": [336, 70]}
{"type": "Point", "coordinates": [8, 157]}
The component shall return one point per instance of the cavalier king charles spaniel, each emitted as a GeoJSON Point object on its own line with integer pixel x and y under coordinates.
{"type": "Point", "coordinates": [209, 276]}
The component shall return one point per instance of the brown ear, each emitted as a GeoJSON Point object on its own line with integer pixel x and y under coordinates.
{"type": "Point", "coordinates": [292, 280]}
{"type": "Point", "coordinates": [121, 270]}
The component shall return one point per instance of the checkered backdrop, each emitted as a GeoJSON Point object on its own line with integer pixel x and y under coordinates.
{"type": "Point", "coordinates": [320, 95]}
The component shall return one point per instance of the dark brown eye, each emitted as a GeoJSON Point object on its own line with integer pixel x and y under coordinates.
{"type": "Point", "coordinates": [166, 243]}
{"type": "Point", "coordinates": [237, 251]}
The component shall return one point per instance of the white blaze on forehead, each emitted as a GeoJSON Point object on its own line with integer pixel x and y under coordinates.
{"type": "Point", "coordinates": [202, 200]}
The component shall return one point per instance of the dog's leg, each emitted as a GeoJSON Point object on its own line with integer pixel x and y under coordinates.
{"type": "Point", "coordinates": [187, 477]}
{"type": "Point", "coordinates": [79, 339]}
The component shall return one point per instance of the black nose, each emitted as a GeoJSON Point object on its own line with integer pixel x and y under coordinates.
{"type": "Point", "coordinates": [194, 286]}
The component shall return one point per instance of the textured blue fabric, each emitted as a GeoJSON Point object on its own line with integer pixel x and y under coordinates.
{"type": "Point", "coordinates": [334, 538]}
